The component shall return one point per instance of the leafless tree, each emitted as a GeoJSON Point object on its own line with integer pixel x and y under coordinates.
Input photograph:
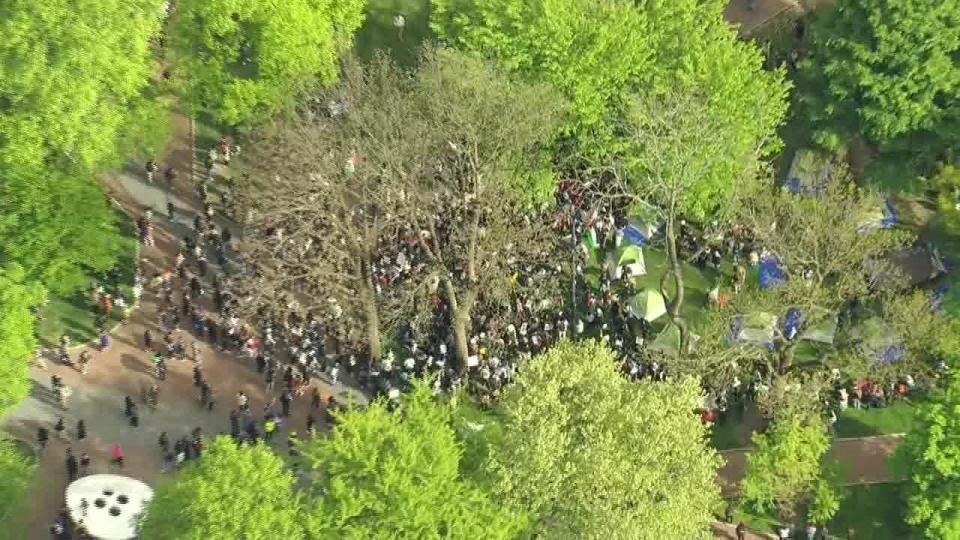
{"type": "Point", "coordinates": [324, 191]}
{"type": "Point", "coordinates": [483, 133]}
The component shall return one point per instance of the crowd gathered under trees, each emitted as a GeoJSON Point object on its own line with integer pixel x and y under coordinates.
{"type": "Point", "coordinates": [438, 236]}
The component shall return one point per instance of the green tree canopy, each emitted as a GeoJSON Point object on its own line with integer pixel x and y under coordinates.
{"type": "Point", "coordinates": [231, 492]}
{"type": "Point", "coordinates": [785, 463]}
{"type": "Point", "coordinates": [16, 473]}
{"type": "Point", "coordinates": [17, 341]}
{"type": "Point", "coordinates": [599, 51]}
{"type": "Point", "coordinates": [71, 72]}
{"type": "Point", "coordinates": [887, 66]}
{"type": "Point", "coordinates": [74, 83]}
{"type": "Point", "coordinates": [245, 59]}
{"type": "Point", "coordinates": [56, 225]}
{"type": "Point", "coordinates": [385, 474]}
{"type": "Point", "coordinates": [933, 452]}
{"type": "Point", "coordinates": [594, 455]}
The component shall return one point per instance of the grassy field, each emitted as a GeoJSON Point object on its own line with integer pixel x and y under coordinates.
{"type": "Point", "coordinates": [379, 34]}
{"type": "Point", "coordinates": [896, 418]}
{"type": "Point", "coordinates": [71, 314]}
{"type": "Point", "coordinates": [873, 512]}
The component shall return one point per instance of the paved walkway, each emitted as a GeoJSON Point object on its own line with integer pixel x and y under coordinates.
{"type": "Point", "coordinates": [125, 368]}
{"type": "Point", "coordinates": [864, 460]}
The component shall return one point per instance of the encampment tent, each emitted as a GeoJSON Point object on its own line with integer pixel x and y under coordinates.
{"type": "Point", "coordinates": [770, 272]}
{"type": "Point", "coordinates": [755, 328]}
{"type": "Point", "coordinates": [668, 341]}
{"type": "Point", "coordinates": [648, 304]}
{"type": "Point", "coordinates": [825, 332]}
{"type": "Point", "coordinates": [638, 232]}
{"type": "Point", "coordinates": [906, 267]}
{"type": "Point", "coordinates": [809, 172]}
{"type": "Point", "coordinates": [627, 256]}
{"type": "Point", "coordinates": [883, 216]}
{"type": "Point", "coordinates": [877, 342]}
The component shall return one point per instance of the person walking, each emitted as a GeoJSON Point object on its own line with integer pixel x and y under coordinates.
{"type": "Point", "coordinates": [60, 429]}
{"type": "Point", "coordinates": [43, 436]}
{"type": "Point", "coordinates": [128, 406]}
{"type": "Point", "coordinates": [134, 416]}
{"type": "Point", "coordinates": [81, 430]}
{"type": "Point", "coordinates": [116, 455]}
{"type": "Point", "coordinates": [741, 531]}
{"type": "Point", "coordinates": [63, 396]}
{"type": "Point", "coordinates": [151, 170]}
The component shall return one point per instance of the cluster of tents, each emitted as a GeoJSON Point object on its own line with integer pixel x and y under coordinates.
{"type": "Point", "coordinates": [809, 174]}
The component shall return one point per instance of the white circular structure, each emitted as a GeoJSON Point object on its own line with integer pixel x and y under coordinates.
{"type": "Point", "coordinates": [108, 505]}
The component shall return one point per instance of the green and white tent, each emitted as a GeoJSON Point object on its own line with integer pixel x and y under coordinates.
{"type": "Point", "coordinates": [668, 341]}
{"type": "Point", "coordinates": [628, 256]}
{"type": "Point", "coordinates": [648, 304]}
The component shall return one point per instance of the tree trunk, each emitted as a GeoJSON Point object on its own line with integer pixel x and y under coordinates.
{"type": "Point", "coordinates": [368, 295]}
{"type": "Point", "coordinates": [459, 323]}
{"type": "Point", "coordinates": [675, 271]}
{"type": "Point", "coordinates": [459, 319]}
{"type": "Point", "coordinates": [373, 327]}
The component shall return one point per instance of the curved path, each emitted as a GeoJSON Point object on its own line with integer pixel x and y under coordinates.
{"type": "Point", "coordinates": [125, 368]}
{"type": "Point", "coordinates": [864, 460]}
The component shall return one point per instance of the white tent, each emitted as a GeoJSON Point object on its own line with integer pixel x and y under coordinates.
{"type": "Point", "coordinates": [755, 328]}
{"type": "Point", "coordinates": [108, 505]}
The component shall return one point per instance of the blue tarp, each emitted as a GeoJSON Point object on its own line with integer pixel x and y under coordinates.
{"type": "Point", "coordinates": [633, 235]}
{"type": "Point", "coordinates": [770, 272]}
{"type": "Point", "coordinates": [791, 323]}
{"type": "Point", "coordinates": [638, 233]}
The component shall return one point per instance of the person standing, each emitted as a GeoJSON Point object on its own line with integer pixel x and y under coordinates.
{"type": "Point", "coordinates": [242, 401]}
{"type": "Point", "coordinates": [81, 430]}
{"type": "Point", "coordinates": [163, 442]}
{"type": "Point", "coordinates": [73, 467]}
{"type": "Point", "coordinates": [234, 424]}
{"type": "Point", "coordinates": [84, 362]}
{"type": "Point", "coordinates": [84, 464]}
{"type": "Point", "coordinates": [128, 406]}
{"type": "Point", "coordinates": [285, 399]}
{"type": "Point", "coordinates": [60, 428]}
{"type": "Point", "coordinates": [269, 426]}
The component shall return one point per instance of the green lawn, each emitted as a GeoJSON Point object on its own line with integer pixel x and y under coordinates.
{"type": "Point", "coordinates": [896, 418]}
{"type": "Point", "coordinates": [71, 314]}
{"type": "Point", "coordinates": [378, 32]}
{"type": "Point", "coordinates": [875, 512]}
{"type": "Point", "coordinates": [735, 429]}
